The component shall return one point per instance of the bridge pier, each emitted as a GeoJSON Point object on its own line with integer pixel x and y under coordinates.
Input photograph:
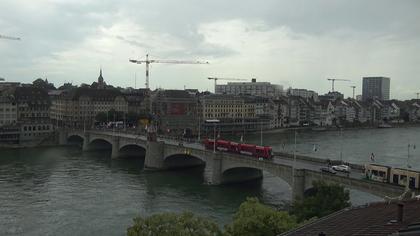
{"type": "Point", "coordinates": [115, 152]}
{"type": "Point", "coordinates": [85, 146]}
{"type": "Point", "coordinates": [62, 137]}
{"type": "Point", "coordinates": [154, 155]}
{"type": "Point", "coordinates": [213, 170]}
{"type": "Point", "coordinates": [298, 188]}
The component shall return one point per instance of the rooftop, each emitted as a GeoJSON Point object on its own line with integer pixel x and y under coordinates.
{"type": "Point", "coordinates": [373, 219]}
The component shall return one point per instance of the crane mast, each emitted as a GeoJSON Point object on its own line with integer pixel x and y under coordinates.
{"type": "Point", "coordinates": [333, 80]}
{"type": "Point", "coordinates": [353, 87]}
{"type": "Point", "coordinates": [148, 62]}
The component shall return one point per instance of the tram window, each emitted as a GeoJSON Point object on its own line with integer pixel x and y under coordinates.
{"type": "Point", "coordinates": [412, 183]}
{"type": "Point", "coordinates": [395, 179]}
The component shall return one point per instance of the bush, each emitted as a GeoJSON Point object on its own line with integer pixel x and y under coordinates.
{"type": "Point", "coordinates": [172, 224]}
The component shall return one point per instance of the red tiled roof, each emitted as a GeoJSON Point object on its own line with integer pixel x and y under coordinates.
{"type": "Point", "coordinates": [373, 220]}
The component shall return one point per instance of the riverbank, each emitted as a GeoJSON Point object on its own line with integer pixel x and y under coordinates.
{"type": "Point", "coordinates": [331, 128]}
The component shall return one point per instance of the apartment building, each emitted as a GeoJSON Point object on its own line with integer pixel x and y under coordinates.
{"type": "Point", "coordinates": [254, 88]}
{"type": "Point", "coordinates": [79, 107]}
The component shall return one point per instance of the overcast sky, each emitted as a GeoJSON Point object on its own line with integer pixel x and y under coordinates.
{"type": "Point", "coordinates": [293, 43]}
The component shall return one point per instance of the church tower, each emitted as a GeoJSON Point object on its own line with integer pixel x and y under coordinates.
{"type": "Point", "coordinates": [101, 83]}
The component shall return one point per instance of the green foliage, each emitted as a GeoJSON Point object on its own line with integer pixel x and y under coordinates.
{"type": "Point", "coordinates": [254, 218]}
{"type": "Point", "coordinates": [324, 200]}
{"type": "Point", "coordinates": [172, 224]}
{"type": "Point", "coordinates": [101, 117]}
{"type": "Point", "coordinates": [114, 115]}
{"type": "Point", "coordinates": [132, 118]}
{"type": "Point", "coordinates": [40, 83]}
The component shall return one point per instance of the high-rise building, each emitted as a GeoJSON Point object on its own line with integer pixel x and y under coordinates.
{"type": "Point", "coordinates": [376, 87]}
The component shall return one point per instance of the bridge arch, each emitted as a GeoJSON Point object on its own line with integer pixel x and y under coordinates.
{"type": "Point", "coordinates": [75, 139]}
{"type": "Point", "coordinates": [182, 160]}
{"type": "Point", "coordinates": [249, 168]}
{"type": "Point", "coordinates": [99, 143]}
{"type": "Point", "coordinates": [133, 149]}
{"type": "Point", "coordinates": [241, 174]}
{"type": "Point", "coordinates": [126, 145]}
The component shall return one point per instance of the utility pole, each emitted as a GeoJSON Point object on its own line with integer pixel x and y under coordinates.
{"type": "Point", "coordinates": [353, 87]}
{"type": "Point", "coordinates": [294, 161]}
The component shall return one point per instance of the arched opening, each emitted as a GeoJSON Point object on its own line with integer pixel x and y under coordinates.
{"type": "Point", "coordinates": [132, 151]}
{"type": "Point", "coordinates": [99, 144]}
{"type": "Point", "coordinates": [75, 140]}
{"type": "Point", "coordinates": [241, 174]}
{"type": "Point", "coordinates": [180, 161]}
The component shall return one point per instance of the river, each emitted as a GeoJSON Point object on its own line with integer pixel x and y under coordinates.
{"type": "Point", "coordinates": [63, 191]}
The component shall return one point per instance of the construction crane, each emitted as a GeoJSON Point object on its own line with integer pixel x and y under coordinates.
{"type": "Point", "coordinates": [333, 80]}
{"type": "Point", "coordinates": [216, 79]}
{"type": "Point", "coordinates": [353, 87]}
{"type": "Point", "coordinates": [8, 37]}
{"type": "Point", "coordinates": [148, 62]}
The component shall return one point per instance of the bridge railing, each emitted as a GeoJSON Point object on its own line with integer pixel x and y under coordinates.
{"type": "Point", "coordinates": [320, 160]}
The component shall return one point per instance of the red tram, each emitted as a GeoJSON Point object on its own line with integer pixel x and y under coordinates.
{"type": "Point", "coordinates": [240, 148]}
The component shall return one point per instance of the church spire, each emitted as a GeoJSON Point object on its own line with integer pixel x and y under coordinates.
{"type": "Point", "coordinates": [101, 83]}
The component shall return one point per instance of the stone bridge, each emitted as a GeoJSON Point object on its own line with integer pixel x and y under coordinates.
{"type": "Point", "coordinates": [221, 167]}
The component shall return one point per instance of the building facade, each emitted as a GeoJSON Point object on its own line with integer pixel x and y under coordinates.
{"type": "Point", "coordinates": [175, 112]}
{"type": "Point", "coordinates": [79, 107]}
{"type": "Point", "coordinates": [263, 89]}
{"type": "Point", "coordinates": [8, 110]}
{"type": "Point", "coordinates": [376, 88]}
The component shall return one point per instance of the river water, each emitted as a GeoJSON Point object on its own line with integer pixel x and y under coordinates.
{"type": "Point", "coordinates": [63, 191]}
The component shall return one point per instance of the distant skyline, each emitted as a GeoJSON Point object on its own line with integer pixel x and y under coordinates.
{"type": "Point", "coordinates": [291, 43]}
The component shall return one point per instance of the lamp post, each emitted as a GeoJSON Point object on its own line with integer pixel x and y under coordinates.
{"type": "Point", "coordinates": [199, 128]}
{"type": "Point", "coordinates": [214, 132]}
{"type": "Point", "coordinates": [294, 159]}
{"type": "Point", "coordinates": [409, 146]}
{"type": "Point", "coordinates": [261, 134]}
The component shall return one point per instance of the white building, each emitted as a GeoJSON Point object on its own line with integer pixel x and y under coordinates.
{"type": "Point", "coordinates": [8, 111]}
{"type": "Point", "coordinates": [264, 89]}
{"type": "Point", "coordinates": [304, 93]}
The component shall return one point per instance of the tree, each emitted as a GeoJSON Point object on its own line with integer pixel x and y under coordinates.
{"type": "Point", "coordinates": [172, 224]}
{"type": "Point", "coordinates": [114, 115]}
{"type": "Point", "coordinates": [132, 118]}
{"type": "Point", "coordinates": [254, 218]}
{"type": "Point", "coordinates": [40, 83]}
{"type": "Point", "coordinates": [67, 86]}
{"type": "Point", "coordinates": [323, 200]}
{"type": "Point", "coordinates": [101, 117]}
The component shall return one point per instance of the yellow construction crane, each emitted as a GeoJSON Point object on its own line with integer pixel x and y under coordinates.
{"type": "Point", "coordinates": [216, 79]}
{"type": "Point", "coordinates": [333, 80]}
{"type": "Point", "coordinates": [8, 37]}
{"type": "Point", "coordinates": [148, 62]}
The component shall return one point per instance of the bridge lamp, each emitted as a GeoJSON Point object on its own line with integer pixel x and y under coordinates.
{"type": "Point", "coordinates": [214, 122]}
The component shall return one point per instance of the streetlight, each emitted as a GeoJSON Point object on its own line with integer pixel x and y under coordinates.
{"type": "Point", "coordinates": [261, 134]}
{"type": "Point", "coordinates": [409, 146]}
{"type": "Point", "coordinates": [199, 128]}
{"type": "Point", "coordinates": [214, 132]}
{"type": "Point", "coordinates": [294, 160]}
